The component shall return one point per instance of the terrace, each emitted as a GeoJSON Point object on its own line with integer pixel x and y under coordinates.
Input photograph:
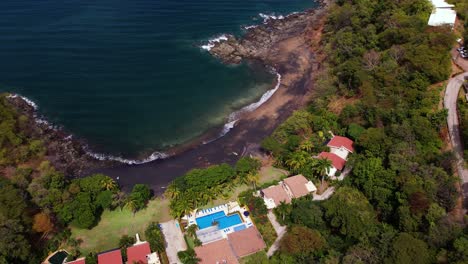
{"type": "Point", "coordinates": [217, 222]}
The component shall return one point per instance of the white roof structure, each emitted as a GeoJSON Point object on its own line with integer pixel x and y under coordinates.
{"type": "Point", "coordinates": [442, 16]}
{"type": "Point", "coordinates": [441, 4]}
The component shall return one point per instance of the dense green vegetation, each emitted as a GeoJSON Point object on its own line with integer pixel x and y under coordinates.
{"type": "Point", "coordinates": [39, 203]}
{"type": "Point", "coordinates": [200, 186]}
{"type": "Point", "coordinates": [463, 115]}
{"type": "Point", "coordinates": [393, 207]}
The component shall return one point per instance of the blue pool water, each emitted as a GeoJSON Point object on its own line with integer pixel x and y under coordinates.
{"type": "Point", "coordinates": [223, 220]}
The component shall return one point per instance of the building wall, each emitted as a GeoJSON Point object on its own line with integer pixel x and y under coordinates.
{"type": "Point", "coordinates": [340, 152]}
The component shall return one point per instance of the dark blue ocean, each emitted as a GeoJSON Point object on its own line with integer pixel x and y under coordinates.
{"type": "Point", "coordinates": [129, 76]}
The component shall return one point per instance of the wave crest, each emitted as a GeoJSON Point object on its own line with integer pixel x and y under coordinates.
{"type": "Point", "coordinates": [98, 156]}
{"type": "Point", "coordinates": [212, 42]}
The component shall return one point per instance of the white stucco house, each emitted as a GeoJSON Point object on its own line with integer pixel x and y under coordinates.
{"type": "Point", "coordinates": [286, 190]}
{"type": "Point", "coordinates": [443, 14]}
{"type": "Point", "coordinates": [340, 148]}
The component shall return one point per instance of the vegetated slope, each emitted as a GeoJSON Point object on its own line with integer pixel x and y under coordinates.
{"type": "Point", "coordinates": [394, 206]}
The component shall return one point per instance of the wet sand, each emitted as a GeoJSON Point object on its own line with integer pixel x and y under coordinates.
{"type": "Point", "coordinates": [295, 59]}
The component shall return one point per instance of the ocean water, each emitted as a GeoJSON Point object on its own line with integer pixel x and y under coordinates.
{"type": "Point", "coordinates": [129, 76]}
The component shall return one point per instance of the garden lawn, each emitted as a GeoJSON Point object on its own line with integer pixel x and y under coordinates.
{"type": "Point", "coordinates": [267, 174]}
{"type": "Point", "coordinates": [114, 224]}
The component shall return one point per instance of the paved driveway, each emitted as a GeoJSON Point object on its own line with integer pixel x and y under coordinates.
{"type": "Point", "coordinates": [280, 231]}
{"type": "Point", "coordinates": [174, 240]}
{"type": "Point", "coordinates": [450, 103]}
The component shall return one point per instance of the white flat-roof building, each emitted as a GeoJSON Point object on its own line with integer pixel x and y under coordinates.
{"type": "Point", "coordinates": [443, 14]}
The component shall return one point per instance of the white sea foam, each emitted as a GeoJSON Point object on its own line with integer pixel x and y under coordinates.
{"type": "Point", "coordinates": [98, 156]}
{"type": "Point", "coordinates": [26, 100]}
{"type": "Point", "coordinates": [250, 27]}
{"type": "Point", "coordinates": [234, 117]}
{"type": "Point", "coordinates": [267, 17]}
{"type": "Point", "coordinates": [103, 157]}
{"type": "Point", "coordinates": [212, 42]}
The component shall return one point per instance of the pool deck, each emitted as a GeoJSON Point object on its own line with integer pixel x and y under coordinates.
{"type": "Point", "coordinates": [211, 234]}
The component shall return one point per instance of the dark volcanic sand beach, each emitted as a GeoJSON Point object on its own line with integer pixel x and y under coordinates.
{"type": "Point", "coordinates": [294, 58]}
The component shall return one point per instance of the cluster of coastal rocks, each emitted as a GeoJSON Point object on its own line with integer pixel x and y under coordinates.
{"type": "Point", "coordinates": [65, 153]}
{"type": "Point", "coordinates": [259, 42]}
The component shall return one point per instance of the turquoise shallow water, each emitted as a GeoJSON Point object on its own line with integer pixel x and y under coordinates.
{"type": "Point", "coordinates": [128, 76]}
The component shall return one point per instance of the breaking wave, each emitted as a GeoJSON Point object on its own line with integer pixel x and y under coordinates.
{"type": "Point", "coordinates": [98, 156]}
{"type": "Point", "coordinates": [234, 116]}
{"type": "Point", "coordinates": [212, 42]}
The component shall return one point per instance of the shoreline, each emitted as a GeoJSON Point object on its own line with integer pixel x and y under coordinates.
{"type": "Point", "coordinates": [294, 60]}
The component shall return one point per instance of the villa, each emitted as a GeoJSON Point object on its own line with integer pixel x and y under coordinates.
{"type": "Point", "coordinates": [340, 148]}
{"type": "Point", "coordinates": [140, 252]}
{"type": "Point", "coordinates": [286, 190]}
{"type": "Point", "coordinates": [237, 245]}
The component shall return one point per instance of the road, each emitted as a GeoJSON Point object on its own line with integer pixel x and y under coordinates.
{"type": "Point", "coordinates": [450, 103]}
{"type": "Point", "coordinates": [174, 240]}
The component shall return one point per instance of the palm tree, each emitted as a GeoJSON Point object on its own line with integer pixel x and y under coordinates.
{"type": "Point", "coordinates": [132, 205]}
{"type": "Point", "coordinates": [188, 257]}
{"type": "Point", "coordinates": [306, 145]}
{"type": "Point", "coordinates": [191, 230]}
{"type": "Point", "coordinates": [282, 209]}
{"type": "Point", "coordinates": [322, 167]}
{"type": "Point", "coordinates": [119, 200]}
{"type": "Point", "coordinates": [297, 160]}
{"type": "Point", "coordinates": [172, 191]}
{"type": "Point", "coordinates": [253, 177]}
{"type": "Point", "coordinates": [108, 184]}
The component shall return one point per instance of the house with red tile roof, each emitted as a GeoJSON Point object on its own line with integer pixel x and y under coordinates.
{"type": "Point", "coordinates": [298, 186]}
{"type": "Point", "coordinates": [138, 253]}
{"type": "Point", "coordinates": [216, 252]}
{"type": "Point", "coordinates": [246, 242]}
{"type": "Point", "coordinates": [341, 146]}
{"type": "Point", "coordinates": [274, 195]}
{"type": "Point", "coordinates": [110, 257]}
{"type": "Point", "coordinates": [337, 163]}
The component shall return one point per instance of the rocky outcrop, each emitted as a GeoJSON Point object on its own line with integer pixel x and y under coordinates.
{"type": "Point", "coordinates": [65, 153]}
{"type": "Point", "coordinates": [259, 42]}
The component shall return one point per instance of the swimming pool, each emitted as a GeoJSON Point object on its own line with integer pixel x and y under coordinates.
{"type": "Point", "coordinates": [223, 220]}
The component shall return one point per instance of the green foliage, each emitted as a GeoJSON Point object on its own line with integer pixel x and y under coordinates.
{"type": "Point", "coordinates": [350, 213]}
{"type": "Point", "coordinates": [302, 241]}
{"type": "Point", "coordinates": [14, 224]}
{"type": "Point", "coordinates": [188, 257]}
{"type": "Point", "coordinates": [155, 237]}
{"type": "Point", "coordinates": [407, 249]}
{"type": "Point", "coordinates": [199, 186]}
{"type": "Point", "coordinates": [91, 258]}
{"type": "Point", "coordinates": [125, 242]}
{"type": "Point", "coordinates": [139, 196]}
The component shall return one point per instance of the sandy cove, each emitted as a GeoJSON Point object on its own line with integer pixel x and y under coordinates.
{"type": "Point", "coordinates": [294, 57]}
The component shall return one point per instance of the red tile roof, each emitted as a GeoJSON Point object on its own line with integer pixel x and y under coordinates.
{"type": "Point", "coordinates": [78, 261]}
{"type": "Point", "coordinates": [297, 185]}
{"type": "Point", "coordinates": [110, 257]}
{"type": "Point", "coordinates": [337, 162]}
{"type": "Point", "coordinates": [277, 193]}
{"type": "Point", "coordinates": [338, 142]}
{"type": "Point", "coordinates": [138, 253]}
{"type": "Point", "coordinates": [246, 242]}
{"type": "Point", "coordinates": [216, 252]}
